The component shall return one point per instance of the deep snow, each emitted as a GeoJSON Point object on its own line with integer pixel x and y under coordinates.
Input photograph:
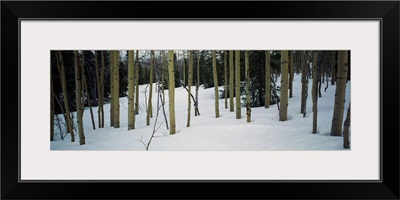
{"type": "Point", "coordinates": [264, 132]}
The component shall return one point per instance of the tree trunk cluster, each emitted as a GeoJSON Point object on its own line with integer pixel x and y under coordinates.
{"type": "Point", "coordinates": [325, 64]}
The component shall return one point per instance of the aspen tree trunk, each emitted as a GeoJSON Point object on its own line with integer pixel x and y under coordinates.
{"type": "Point", "coordinates": [164, 68]}
{"type": "Point", "coordinates": [322, 72]}
{"type": "Point", "coordinates": [247, 67]}
{"type": "Point", "coordinates": [304, 83]}
{"type": "Point", "coordinates": [137, 82]}
{"type": "Point", "coordinates": [152, 60]}
{"type": "Point", "coordinates": [82, 66]}
{"type": "Point", "coordinates": [334, 67]}
{"type": "Point", "coordinates": [314, 93]}
{"type": "Point", "coordinates": [149, 107]}
{"type": "Point", "coordinates": [102, 89]}
{"type": "Point", "coordinates": [196, 105]}
{"type": "Point", "coordinates": [346, 142]}
{"type": "Point", "coordinates": [198, 67]}
{"type": "Point", "coordinates": [231, 84]}
{"type": "Point", "coordinates": [131, 91]}
{"type": "Point", "coordinates": [296, 60]}
{"type": "Point", "coordinates": [84, 83]}
{"type": "Point", "coordinates": [111, 88]}
{"type": "Point", "coordinates": [171, 92]}
{"type": "Point", "coordinates": [320, 75]}
{"type": "Point", "coordinates": [184, 68]}
{"type": "Point", "coordinates": [60, 63]}
{"type": "Point", "coordinates": [291, 74]}
{"type": "Point", "coordinates": [89, 102]}
{"type": "Point", "coordinates": [237, 69]}
{"type": "Point", "coordinates": [215, 84]}
{"type": "Point", "coordinates": [51, 107]}
{"type": "Point", "coordinates": [340, 94]}
{"type": "Point", "coordinates": [78, 91]}
{"type": "Point", "coordinates": [284, 86]}
{"type": "Point", "coordinates": [190, 81]}
{"type": "Point", "coordinates": [98, 89]}
{"type": "Point", "coordinates": [225, 80]}
{"type": "Point", "coordinates": [299, 60]}
{"type": "Point", "coordinates": [267, 79]}
{"type": "Point", "coordinates": [116, 89]}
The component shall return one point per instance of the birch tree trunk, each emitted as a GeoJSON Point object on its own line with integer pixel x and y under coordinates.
{"type": "Point", "coordinates": [267, 79]}
{"type": "Point", "coordinates": [237, 70]}
{"type": "Point", "coordinates": [340, 94]}
{"type": "Point", "coordinates": [78, 91]}
{"type": "Point", "coordinates": [190, 82]}
{"type": "Point", "coordinates": [215, 84]}
{"type": "Point", "coordinates": [231, 84]}
{"type": "Point", "coordinates": [61, 69]}
{"type": "Point", "coordinates": [171, 91]}
{"type": "Point", "coordinates": [116, 89]}
{"type": "Point", "coordinates": [131, 91]}
{"type": "Point", "coordinates": [284, 86]}
{"type": "Point", "coordinates": [247, 67]}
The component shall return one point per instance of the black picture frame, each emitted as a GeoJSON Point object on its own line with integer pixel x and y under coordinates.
{"type": "Point", "coordinates": [386, 11]}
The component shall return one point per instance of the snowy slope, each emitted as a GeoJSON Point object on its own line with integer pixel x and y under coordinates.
{"type": "Point", "coordinates": [265, 132]}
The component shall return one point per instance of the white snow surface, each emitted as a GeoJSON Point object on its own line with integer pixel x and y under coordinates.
{"type": "Point", "coordinates": [207, 133]}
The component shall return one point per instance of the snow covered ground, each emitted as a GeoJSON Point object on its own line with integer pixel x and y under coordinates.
{"type": "Point", "coordinates": [207, 133]}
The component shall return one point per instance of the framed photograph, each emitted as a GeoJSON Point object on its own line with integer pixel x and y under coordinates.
{"type": "Point", "coordinates": [127, 93]}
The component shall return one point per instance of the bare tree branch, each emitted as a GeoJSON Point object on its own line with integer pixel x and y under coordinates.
{"type": "Point", "coordinates": [194, 100]}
